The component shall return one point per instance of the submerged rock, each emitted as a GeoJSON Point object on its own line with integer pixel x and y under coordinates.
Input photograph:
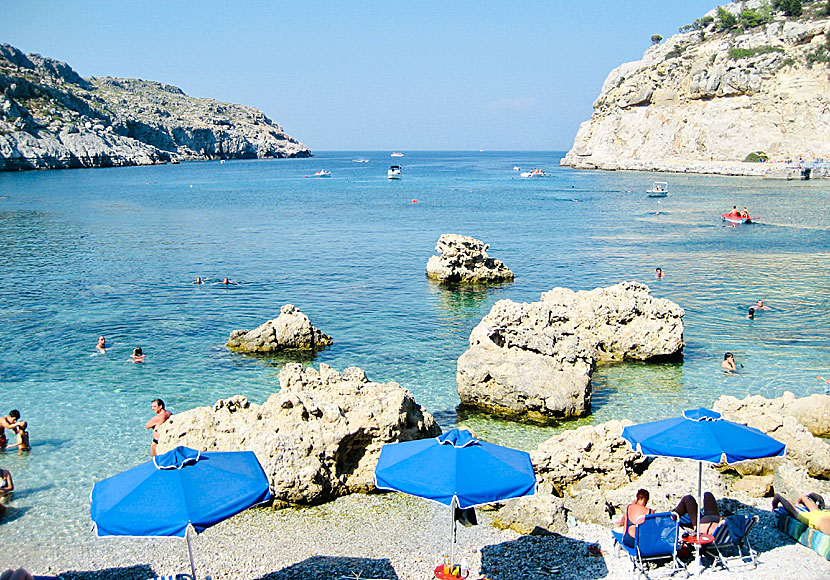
{"type": "Point", "coordinates": [319, 437]}
{"type": "Point", "coordinates": [535, 361]}
{"type": "Point", "coordinates": [465, 259]}
{"type": "Point", "coordinates": [291, 330]}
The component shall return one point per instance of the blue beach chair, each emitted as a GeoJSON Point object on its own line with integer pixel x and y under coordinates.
{"type": "Point", "coordinates": [733, 532]}
{"type": "Point", "coordinates": [656, 539]}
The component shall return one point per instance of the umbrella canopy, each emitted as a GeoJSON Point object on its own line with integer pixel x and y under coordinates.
{"type": "Point", "coordinates": [456, 467]}
{"type": "Point", "coordinates": [179, 488]}
{"type": "Point", "coordinates": [702, 435]}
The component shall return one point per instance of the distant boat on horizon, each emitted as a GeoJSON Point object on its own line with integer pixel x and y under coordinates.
{"type": "Point", "coordinates": [360, 160]}
{"type": "Point", "coordinates": [322, 173]}
{"type": "Point", "coordinates": [396, 155]}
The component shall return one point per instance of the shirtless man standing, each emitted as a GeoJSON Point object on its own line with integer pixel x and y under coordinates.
{"type": "Point", "coordinates": [162, 415]}
{"type": "Point", "coordinates": [12, 421]}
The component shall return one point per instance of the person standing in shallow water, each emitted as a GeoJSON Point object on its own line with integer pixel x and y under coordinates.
{"type": "Point", "coordinates": [162, 415]}
{"type": "Point", "coordinates": [658, 272]}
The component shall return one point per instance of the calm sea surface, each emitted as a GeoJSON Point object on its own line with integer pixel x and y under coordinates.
{"type": "Point", "coordinates": [114, 252]}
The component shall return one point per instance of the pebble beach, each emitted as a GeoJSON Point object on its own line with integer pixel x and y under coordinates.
{"type": "Point", "coordinates": [390, 536]}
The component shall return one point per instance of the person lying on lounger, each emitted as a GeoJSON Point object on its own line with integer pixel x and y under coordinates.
{"type": "Point", "coordinates": [816, 517]}
{"type": "Point", "coordinates": [711, 517]}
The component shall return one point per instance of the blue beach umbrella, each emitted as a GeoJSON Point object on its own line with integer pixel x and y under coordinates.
{"type": "Point", "coordinates": [456, 470]}
{"type": "Point", "coordinates": [702, 435]}
{"type": "Point", "coordinates": [176, 491]}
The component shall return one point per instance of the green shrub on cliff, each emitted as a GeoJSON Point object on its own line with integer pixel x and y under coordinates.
{"type": "Point", "coordinates": [726, 20]}
{"type": "Point", "coordinates": [739, 53]}
{"type": "Point", "coordinates": [788, 7]}
{"type": "Point", "coordinates": [702, 23]}
{"type": "Point", "coordinates": [750, 18]}
{"type": "Point", "coordinates": [756, 157]}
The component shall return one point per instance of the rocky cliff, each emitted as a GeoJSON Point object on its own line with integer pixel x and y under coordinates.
{"type": "Point", "coordinates": [744, 79]}
{"type": "Point", "coordinates": [51, 118]}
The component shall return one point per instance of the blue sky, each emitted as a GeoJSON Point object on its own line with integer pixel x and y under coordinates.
{"type": "Point", "coordinates": [433, 75]}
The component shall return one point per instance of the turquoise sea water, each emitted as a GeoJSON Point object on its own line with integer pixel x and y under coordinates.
{"type": "Point", "coordinates": [114, 252]}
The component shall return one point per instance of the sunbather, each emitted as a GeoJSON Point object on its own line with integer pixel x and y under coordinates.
{"type": "Point", "coordinates": [711, 517]}
{"type": "Point", "coordinates": [633, 515]}
{"type": "Point", "coordinates": [816, 517]}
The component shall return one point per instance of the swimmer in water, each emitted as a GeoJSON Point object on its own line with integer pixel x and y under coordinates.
{"type": "Point", "coordinates": [138, 355]}
{"type": "Point", "coordinates": [102, 344]}
{"type": "Point", "coordinates": [226, 281]}
{"type": "Point", "coordinates": [728, 363]}
{"type": "Point", "coordinates": [658, 272]}
{"type": "Point", "coordinates": [198, 280]}
{"type": "Point", "coordinates": [751, 314]}
{"type": "Point", "coordinates": [759, 305]}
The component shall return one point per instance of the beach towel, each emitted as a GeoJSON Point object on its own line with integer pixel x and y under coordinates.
{"type": "Point", "coordinates": [804, 535]}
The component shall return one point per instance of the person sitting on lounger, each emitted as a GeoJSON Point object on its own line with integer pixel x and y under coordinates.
{"type": "Point", "coordinates": [633, 516]}
{"type": "Point", "coordinates": [711, 517]}
{"type": "Point", "coordinates": [816, 517]}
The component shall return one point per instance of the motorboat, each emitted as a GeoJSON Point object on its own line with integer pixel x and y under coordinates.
{"type": "Point", "coordinates": [516, 168]}
{"type": "Point", "coordinates": [322, 173]}
{"type": "Point", "coordinates": [733, 219]}
{"type": "Point", "coordinates": [360, 160]}
{"type": "Point", "coordinates": [533, 173]}
{"type": "Point", "coordinates": [660, 189]}
{"type": "Point", "coordinates": [396, 155]}
{"type": "Point", "coordinates": [394, 172]}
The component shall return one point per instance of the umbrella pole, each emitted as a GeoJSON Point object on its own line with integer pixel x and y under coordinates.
{"type": "Point", "coordinates": [190, 552]}
{"type": "Point", "coordinates": [452, 532]}
{"type": "Point", "coordinates": [699, 508]}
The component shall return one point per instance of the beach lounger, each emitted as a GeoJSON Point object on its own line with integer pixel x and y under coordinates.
{"type": "Point", "coordinates": [803, 534]}
{"type": "Point", "coordinates": [733, 532]}
{"type": "Point", "coordinates": [656, 538]}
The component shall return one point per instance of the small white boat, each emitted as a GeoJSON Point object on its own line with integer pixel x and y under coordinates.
{"type": "Point", "coordinates": [660, 189]}
{"type": "Point", "coordinates": [396, 155]}
{"type": "Point", "coordinates": [394, 172]}
{"type": "Point", "coordinates": [360, 160]}
{"type": "Point", "coordinates": [322, 173]}
{"type": "Point", "coordinates": [533, 173]}
{"type": "Point", "coordinates": [516, 168]}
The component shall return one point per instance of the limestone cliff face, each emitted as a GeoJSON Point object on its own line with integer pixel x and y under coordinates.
{"type": "Point", "coordinates": [50, 118]}
{"type": "Point", "coordinates": [705, 99]}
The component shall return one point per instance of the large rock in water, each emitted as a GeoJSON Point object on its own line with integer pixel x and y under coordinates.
{"type": "Point", "coordinates": [534, 361]}
{"type": "Point", "coordinates": [465, 259]}
{"type": "Point", "coordinates": [291, 330]}
{"type": "Point", "coordinates": [621, 322]}
{"type": "Point", "coordinates": [319, 437]}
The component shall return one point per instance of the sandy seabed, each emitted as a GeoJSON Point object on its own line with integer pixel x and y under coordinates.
{"type": "Point", "coordinates": [381, 536]}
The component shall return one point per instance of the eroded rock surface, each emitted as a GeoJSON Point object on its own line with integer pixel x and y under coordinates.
{"type": "Point", "coordinates": [464, 259]}
{"type": "Point", "coordinates": [51, 118]}
{"type": "Point", "coordinates": [534, 361]}
{"type": "Point", "coordinates": [291, 330]}
{"type": "Point", "coordinates": [319, 437]}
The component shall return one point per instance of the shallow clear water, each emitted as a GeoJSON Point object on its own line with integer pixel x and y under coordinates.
{"type": "Point", "coordinates": [114, 252]}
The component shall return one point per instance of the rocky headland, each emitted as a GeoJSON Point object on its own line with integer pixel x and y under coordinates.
{"type": "Point", "coordinates": [51, 118]}
{"type": "Point", "coordinates": [534, 361]}
{"type": "Point", "coordinates": [742, 84]}
{"type": "Point", "coordinates": [464, 259]}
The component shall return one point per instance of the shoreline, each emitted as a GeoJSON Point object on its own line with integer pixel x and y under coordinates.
{"type": "Point", "coordinates": [777, 171]}
{"type": "Point", "coordinates": [388, 535]}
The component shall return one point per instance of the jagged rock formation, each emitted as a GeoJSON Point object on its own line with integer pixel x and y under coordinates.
{"type": "Point", "coordinates": [465, 259]}
{"type": "Point", "coordinates": [318, 438]}
{"type": "Point", "coordinates": [291, 330]}
{"type": "Point", "coordinates": [705, 99]}
{"type": "Point", "coordinates": [534, 361]}
{"type": "Point", "coordinates": [52, 118]}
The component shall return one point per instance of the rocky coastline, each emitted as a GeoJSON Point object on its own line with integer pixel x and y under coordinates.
{"type": "Point", "coordinates": [51, 118]}
{"type": "Point", "coordinates": [741, 92]}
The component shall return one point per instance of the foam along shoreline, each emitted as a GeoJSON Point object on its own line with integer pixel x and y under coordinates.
{"type": "Point", "coordinates": [388, 536]}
